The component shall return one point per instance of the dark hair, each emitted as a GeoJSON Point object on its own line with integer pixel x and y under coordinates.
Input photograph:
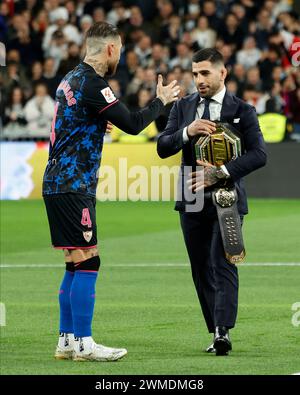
{"type": "Point", "coordinates": [102, 30]}
{"type": "Point", "coordinates": [210, 54]}
{"type": "Point", "coordinates": [10, 96]}
{"type": "Point", "coordinates": [275, 48]}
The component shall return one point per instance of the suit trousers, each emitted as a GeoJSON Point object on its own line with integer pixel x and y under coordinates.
{"type": "Point", "coordinates": [215, 279]}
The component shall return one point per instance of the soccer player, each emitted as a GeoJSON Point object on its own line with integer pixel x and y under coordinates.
{"type": "Point", "coordinates": [85, 103]}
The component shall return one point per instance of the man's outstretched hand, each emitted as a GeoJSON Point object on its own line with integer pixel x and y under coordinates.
{"type": "Point", "coordinates": [169, 93]}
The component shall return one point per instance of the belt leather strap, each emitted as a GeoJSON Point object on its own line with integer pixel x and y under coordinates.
{"type": "Point", "coordinates": [225, 200]}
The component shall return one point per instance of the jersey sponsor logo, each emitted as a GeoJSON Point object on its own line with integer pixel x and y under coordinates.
{"type": "Point", "coordinates": [64, 85]}
{"type": "Point", "coordinates": [88, 235]}
{"type": "Point", "coordinates": [108, 95]}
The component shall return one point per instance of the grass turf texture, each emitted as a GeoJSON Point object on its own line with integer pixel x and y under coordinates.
{"type": "Point", "coordinates": [152, 310]}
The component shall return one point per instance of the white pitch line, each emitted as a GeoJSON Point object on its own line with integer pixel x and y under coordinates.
{"type": "Point", "coordinates": [270, 264]}
{"type": "Point", "coordinates": [148, 265]}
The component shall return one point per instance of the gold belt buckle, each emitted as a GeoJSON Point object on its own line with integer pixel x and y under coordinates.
{"type": "Point", "coordinates": [224, 197]}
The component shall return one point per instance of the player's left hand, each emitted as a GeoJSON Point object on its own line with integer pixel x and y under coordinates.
{"type": "Point", "coordinates": [109, 127]}
{"type": "Point", "coordinates": [202, 178]}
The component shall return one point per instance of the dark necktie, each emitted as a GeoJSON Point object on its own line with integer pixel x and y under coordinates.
{"type": "Point", "coordinates": [206, 113]}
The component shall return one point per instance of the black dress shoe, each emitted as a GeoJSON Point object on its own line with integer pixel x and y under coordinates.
{"type": "Point", "coordinates": [222, 342]}
{"type": "Point", "coordinates": [210, 349]}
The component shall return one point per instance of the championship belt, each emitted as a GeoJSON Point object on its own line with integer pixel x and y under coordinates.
{"type": "Point", "coordinates": [219, 148]}
{"type": "Point", "coordinates": [225, 200]}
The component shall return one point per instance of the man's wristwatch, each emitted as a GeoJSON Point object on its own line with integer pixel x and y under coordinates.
{"type": "Point", "coordinates": [220, 174]}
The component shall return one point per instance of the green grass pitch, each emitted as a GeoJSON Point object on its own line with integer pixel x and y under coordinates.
{"type": "Point", "coordinates": [143, 302]}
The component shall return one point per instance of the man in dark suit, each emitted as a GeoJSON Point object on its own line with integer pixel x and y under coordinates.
{"type": "Point", "coordinates": [215, 279]}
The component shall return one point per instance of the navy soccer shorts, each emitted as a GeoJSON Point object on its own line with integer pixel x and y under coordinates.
{"type": "Point", "coordinates": [72, 220]}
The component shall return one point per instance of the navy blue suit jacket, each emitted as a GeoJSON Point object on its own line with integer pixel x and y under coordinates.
{"type": "Point", "coordinates": [183, 113]}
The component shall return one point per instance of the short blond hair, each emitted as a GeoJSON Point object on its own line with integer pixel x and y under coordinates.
{"type": "Point", "coordinates": [97, 36]}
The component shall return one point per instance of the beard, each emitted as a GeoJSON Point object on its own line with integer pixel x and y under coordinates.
{"type": "Point", "coordinates": [210, 90]}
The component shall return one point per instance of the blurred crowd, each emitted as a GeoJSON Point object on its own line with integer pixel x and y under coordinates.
{"type": "Point", "coordinates": [260, 42]}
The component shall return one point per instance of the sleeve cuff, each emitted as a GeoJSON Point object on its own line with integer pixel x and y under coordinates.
{"type": "Point", "coordinates": [185, 136]}
{"type": "Point", "coordinates": [160, 101]}
{"type": "Point", "coordinates": [223, 167]}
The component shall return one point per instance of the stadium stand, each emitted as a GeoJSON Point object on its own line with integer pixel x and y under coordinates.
{"type": "Point", "coordinates": [260, 41]}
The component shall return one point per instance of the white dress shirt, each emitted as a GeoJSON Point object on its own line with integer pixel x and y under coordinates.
{"type": "Point", "coordinates": [215, 107]}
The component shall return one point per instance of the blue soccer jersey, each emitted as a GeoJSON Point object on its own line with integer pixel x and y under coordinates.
{"type": "Point", "coordinates": [77, 132]}
{"type": "Point", "coordinates": [84, 103]}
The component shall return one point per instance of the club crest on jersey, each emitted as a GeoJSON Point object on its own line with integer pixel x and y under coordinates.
{"type": "Point", "coordinates": [87, 235]}
{"type": "Point", "coordinates": [108, 95]}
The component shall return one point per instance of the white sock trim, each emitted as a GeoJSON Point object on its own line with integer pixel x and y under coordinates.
{"type": "Point", "coordinates": [83, 344]}
{"type": "Point", "coordinates": [66, 340]}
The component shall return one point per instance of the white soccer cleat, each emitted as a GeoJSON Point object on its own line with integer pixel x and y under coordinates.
{"type": "Point", "coordinates": [88, 350]}
{"type": "Point", "coordinates": [63, 354]}
{"type": "Point", "coordinates": [65, 347]}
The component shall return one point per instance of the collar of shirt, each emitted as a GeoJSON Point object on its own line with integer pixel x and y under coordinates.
{"type": "Point", "coordinates": [218, 97]}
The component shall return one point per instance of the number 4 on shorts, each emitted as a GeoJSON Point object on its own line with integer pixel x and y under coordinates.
{"type": "Point", "coordinates": [86, 219]}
